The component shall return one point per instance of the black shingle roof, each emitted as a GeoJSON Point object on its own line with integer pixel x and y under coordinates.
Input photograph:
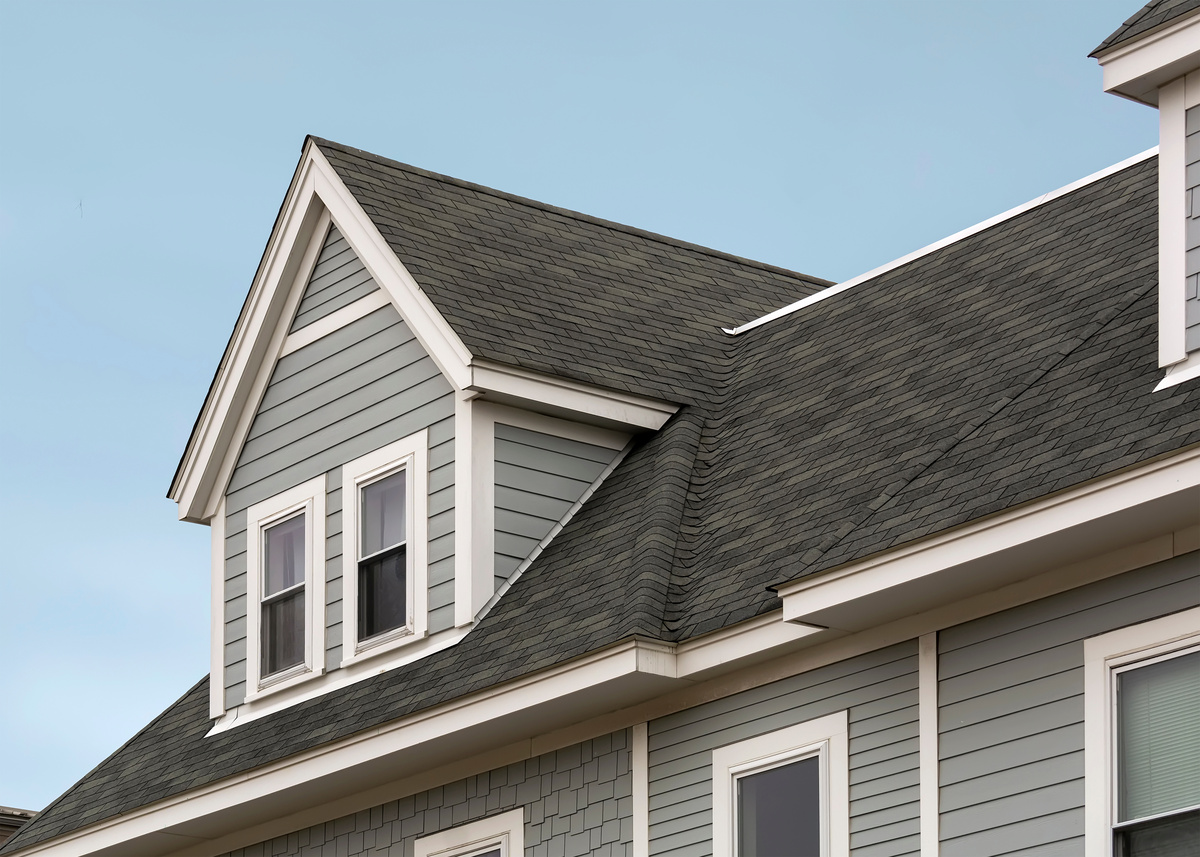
{"type": "Point", "coordinates": [1016, 362]}
{"type": "Point", "coordinates": [1152, 15]}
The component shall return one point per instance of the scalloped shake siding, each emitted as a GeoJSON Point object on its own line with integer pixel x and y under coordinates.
{"type": "Point", "coordinates": [577, 801]}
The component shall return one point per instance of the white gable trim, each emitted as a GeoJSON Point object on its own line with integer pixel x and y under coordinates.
{"type": "Point", "coordinates": [1137, 68]}
{"type": "Point", "coordinates": [316, 197]}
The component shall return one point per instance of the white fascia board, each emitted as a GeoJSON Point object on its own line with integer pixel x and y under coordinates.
{"type": "Point", "coordinates": [569, 399]}
{"type": "Point", "coordinates": [390, 746]}
{"type": "Point", "coordinates": [1163, 494]}
{"type": "Point", "coordinates": [1136, 69]}
{"type": "Point", "coordinates": [431, 329]}
{"type": "Point", "coordinates": [825, 294]}
{"type": "Point", "coordinates": [621, 674]}
{"type": "Point", "coordinates": [249, 347]}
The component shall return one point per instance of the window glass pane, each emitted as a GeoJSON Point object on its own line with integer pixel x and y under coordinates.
{"type": "Point", "coordinates": [1159, 743]}
{"type": "Point", "coordinates": [283, 549]}
{"type": "Point", "coordinates": [382, 593]}
{"type": "Point", "coordinates": [383, 514]}
{"type": "Point", "coordinates": [1174, 836]}
{"type": "Point", "coordinates": [282, 633]}
{"type": "Point", "coordinates": [779, 811]}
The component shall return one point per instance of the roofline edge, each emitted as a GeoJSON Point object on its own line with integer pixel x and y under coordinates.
{"type": "Point", "coordinates": [944, 242]}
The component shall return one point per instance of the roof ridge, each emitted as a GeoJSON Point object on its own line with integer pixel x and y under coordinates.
{"type": "Point", "coordinates": [575, 215]}
{"type": "Point", "coordinates": [923, 463]}
{"type": "Point", "coordinates": [962, 234]}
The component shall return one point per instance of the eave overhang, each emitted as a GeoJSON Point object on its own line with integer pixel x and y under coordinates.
{"type": "Point", "coordinates": [316, 195]}
{"type": "Point", "coordinates": [1150, 500]}
{"type": "Point", "coordinates": [1137, 68]}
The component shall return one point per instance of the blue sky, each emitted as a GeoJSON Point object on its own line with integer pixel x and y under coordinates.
{"type": "Point", "coordinates": [146, 148]}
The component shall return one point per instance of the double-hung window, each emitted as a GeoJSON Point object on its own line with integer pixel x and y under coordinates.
{"type": "Point", "coordinates": [784, 793]}
{"type": "Point", "coordinates": [383, 548]}
{"type": "Point", "coordinates": [285, 556]}
{"type": "Point", "coordinates": [1143, 762]}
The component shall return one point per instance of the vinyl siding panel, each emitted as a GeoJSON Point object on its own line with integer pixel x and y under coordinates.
{"type": "Point", "coordinates": [1011, 712]}
{"type": "Point", "coordinates": [879, 691]}
{"type": "Point", "coordinates": [1192, 297]}
{"type": "Point", "coordinates": [337, 280]}
{"type": "Point", "coordinates": [538, 478]}
{"type": "Point", "coordinates": [351, 392]}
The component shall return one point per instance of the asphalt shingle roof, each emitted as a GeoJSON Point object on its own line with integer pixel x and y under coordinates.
{"type": "Point", "coordinates": [1151, 15]}
{"type": "Point", "coordinates": [1014, 363]}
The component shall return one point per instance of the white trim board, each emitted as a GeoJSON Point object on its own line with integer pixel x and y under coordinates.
{"type": "Point", "coordinates": [824, 294]}
{"type": "Point", "coordinates": [1137, 68]}
{"type": "Point", "coordinates": [995, 550]}
{"type": "Point", "coordinates": [189, 810]}
{"type": "Point", "coordinates": [1100, 655]}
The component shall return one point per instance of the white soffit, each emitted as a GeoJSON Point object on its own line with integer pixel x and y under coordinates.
{"type": "Point", "coordinates": [1154, 499]}
{"type": "Point", "coordinates": [938, 245]}
{"type": "Point", "coordinates": [1137, 68]}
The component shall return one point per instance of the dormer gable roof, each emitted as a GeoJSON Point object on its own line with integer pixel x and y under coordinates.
{"type": "Point", "coordinates": [493, 285]}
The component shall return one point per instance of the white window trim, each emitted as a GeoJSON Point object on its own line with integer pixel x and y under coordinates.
{"type": "Point", "coordinates": [825, 735]}
{"type": "Point", "coordinates": [412, 455]}
{"type": "Point", "coordinates": [308, 497]}
{"type": "Point", "coordinates": [505, 831]}
{"type": "Point", "coordinates": [1103, 655]}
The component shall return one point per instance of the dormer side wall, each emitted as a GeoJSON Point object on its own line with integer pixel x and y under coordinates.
{"type": "Point", "coordinates": [329, 402]}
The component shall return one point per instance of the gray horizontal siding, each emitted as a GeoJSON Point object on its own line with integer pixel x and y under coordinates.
{"type": "Point", "coordinates": [1010, 706]}
{"type": "Point", "coordinates": [351, 392]}
{"type": "Point", "coordinates": [337, 280]}
{"type": "Point", "coordinates": [577, 801]}
{"type": "Point", "coordinates": [878, 689]}
{"type": "Point", "coordinates": [538, 478]}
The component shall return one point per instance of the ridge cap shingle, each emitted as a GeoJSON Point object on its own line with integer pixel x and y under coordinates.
{"type": "Point", "coordinates": [572, 213]}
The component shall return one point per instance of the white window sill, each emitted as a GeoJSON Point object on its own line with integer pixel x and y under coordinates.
{"type": "Point", "coordinates": [382, 644]}
{"type": "Point", "coordinates": [298, 674]}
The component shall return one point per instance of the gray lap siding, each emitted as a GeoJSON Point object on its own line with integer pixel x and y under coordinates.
{"type": "Point", "coordinates": [350, 392]}
{"type": "Point", "coordinates": [577, 801]}
{"type": "Point", "coordinates": [879, 692]}
{"type": "Point", "coordinates": [1011, 710]}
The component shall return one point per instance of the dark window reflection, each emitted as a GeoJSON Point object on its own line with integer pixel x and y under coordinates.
{"type": "Point", "coordinates": [779, 811]}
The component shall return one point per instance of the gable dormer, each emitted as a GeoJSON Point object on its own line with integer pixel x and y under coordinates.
{"type": "Point", "coordinates": [372, 486]}
{"type": "Point", "coordinates": [1154, 59]}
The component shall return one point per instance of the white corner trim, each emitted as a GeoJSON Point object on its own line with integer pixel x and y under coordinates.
{"type": "Point", "coordinates": [474, 506]}
{"type": "Point", "coordinates": [410, 454]}
{"type": "Point", "coordinates": [309, 498]}
{"type": "Point", "coordinates": [336, 320]}
{"type": "Point", "coordinates": [1185, 370]}
{"type": "Point", "coordinates": [216, 627]}
{"type": "Point", "coordinates": [1100, 655]}
{"type": "Point", "coordinates": [505, 831]}
{"type": "Point", "coordinates": [827, 735]}
{"type": "Point", "coordinates": [640, 764]}
{"type": "Point", "coordinates": [938, 245]}
{"type": "Point", "coordinates": [1172, 223]}
{"type": "Point", "coordinates": [1026, 523]}
{"type": "Point", "coordinates": [626, 410]}
{"type": "Point", "coordinates": [927, 681]}
{"type": "Point", "coordinates": [1136, 68]}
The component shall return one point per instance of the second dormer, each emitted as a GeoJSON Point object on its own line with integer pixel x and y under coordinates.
{"type": "Point", "coordinates": [1154, 59]}
{"type": "Point", "coordinates": [371, 484]}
